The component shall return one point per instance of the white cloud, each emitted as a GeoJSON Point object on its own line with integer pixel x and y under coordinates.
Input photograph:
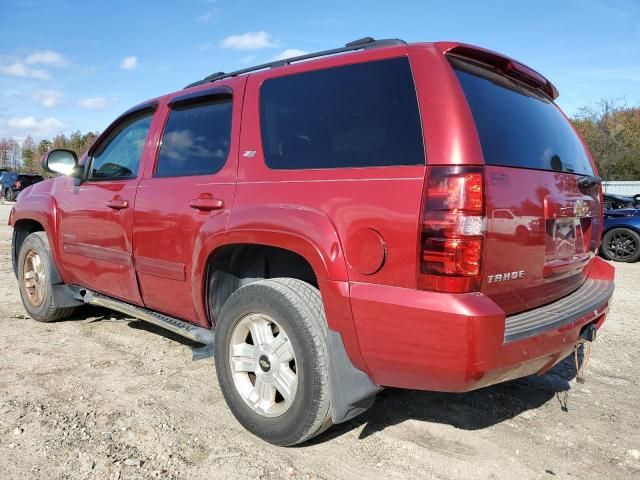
{"type": "Point", "coordinates": [36, 126]}
{"type": "Point", "coordinates": [19, 69]}
{"type": "Point", "coordinates": [94, 103]}
{"type": "Point", "coordinates": [249, 41]}
{"type": "Point", "coordinates": [129, 63]}
{"type": "Point", "coordinates": [289, 52]}
{"type": "Point", "coordinates": [26, 68]}
{"type": "Point", "coordinates": [48, 98]}
{"type": "Point", "coordinates": [46, 57]}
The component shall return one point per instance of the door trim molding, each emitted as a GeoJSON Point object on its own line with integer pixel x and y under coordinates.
{"type": "Point", "coordinates": [95, 252]}
{"type": "Point", "coordinates": [161, 268]}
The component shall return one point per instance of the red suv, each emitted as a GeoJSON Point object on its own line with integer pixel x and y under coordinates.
{"type": "Point", "coordinates": [380, 215]}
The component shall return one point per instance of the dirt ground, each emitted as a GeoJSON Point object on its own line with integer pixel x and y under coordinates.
{"type": "Point", "coordinates": [105, 397]}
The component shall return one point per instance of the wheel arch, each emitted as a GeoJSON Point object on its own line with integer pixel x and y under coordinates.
{"type": "Point", "coordinates": [307, 233]}
{"type": "Point", "coordinates": [34, 213]}
{"type": "Point", "coordinates": [633, 228]}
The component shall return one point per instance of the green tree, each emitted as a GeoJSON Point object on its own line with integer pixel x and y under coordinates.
{"type": "Point", "coordinates": [29, 155]}
{"type": "Point", "coordinates": [60, 141]}
{"type": "Point", "coordinates": [75, 143]}
{"type": "Point", "coordinates": [612, 133]}
{"type": "Point", "coordinates": [44, 146]}
{"type": "Point", "coordinates": [87, 140]}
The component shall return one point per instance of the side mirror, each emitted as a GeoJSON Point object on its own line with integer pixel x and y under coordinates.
{"type": "Point", "coordinates": [61, 161]}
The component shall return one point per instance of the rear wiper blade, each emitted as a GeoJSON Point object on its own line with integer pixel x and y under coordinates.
{"type": "Point", "coordinates": [588, 182]}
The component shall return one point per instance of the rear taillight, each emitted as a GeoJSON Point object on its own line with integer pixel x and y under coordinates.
{"type": "Point", "coordinates": [453, 228]}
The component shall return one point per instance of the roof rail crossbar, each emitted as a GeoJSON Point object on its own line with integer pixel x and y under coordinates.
{"type": "Point", "coordinates": [360, 44]}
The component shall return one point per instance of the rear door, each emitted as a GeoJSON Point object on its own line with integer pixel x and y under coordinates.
{"type": "Point", "coordinates": [542, 229]}
{"type": "Point", "coordinates": [191, 183]}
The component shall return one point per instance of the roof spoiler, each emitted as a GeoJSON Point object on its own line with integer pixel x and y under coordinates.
{"type": "Point", "coordinates": [507, 66]}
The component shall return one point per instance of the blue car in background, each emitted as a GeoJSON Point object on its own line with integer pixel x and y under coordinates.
{"type": "Point", "coordinates": [621, 235]}
{"type": "Point", "coordinates": [12, 183]}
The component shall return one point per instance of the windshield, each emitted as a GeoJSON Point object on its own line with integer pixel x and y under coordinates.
{"type": "Point", "coordinates": [517, 126]}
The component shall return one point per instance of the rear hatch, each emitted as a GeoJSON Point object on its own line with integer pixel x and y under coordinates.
{"type": "Point", "coordinates": [542, 229]}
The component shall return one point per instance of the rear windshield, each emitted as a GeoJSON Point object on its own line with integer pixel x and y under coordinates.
{"type": "Point", "coordinates": [517, 126]}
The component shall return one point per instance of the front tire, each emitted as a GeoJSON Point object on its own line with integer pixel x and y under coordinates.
{"type": "Point", "coordinates": [35, 271]}
{"type": "Point", "coordinates": [272, 361]}
{"type": "Point", "coordinates": [621, 245]}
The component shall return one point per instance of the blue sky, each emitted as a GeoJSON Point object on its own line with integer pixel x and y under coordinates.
{"type": "Point", "coordinates": [69, 64]}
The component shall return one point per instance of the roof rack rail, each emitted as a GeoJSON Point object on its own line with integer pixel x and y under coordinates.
{"type": "Point", "coordinates": [360, 44]}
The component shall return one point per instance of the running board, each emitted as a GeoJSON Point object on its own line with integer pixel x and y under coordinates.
{"type": "Point", "coordinates": [184, 329]}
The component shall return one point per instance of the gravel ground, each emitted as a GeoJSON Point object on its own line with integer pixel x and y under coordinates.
{"type": "Point", "coordinates": [106, 397]}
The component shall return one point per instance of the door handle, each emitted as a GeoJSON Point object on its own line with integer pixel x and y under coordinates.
{"type": "Point", "coordinates": [206, 204]}
{"type": "Point", "coordinates": [117, 204]}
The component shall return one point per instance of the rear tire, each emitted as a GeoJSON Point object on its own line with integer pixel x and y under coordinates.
{"type": "Point", "coordinates": [621, 245]}
{"type": "Point", "coordinates": [272, 361]}
{"type": "Point", "coordinates": [35, 271]}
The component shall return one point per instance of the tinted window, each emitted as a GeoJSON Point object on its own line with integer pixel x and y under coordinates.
{"type": "Point", "coordinates": [353, 116]}
{"type": "Point", "coordinates": [518, 127]}
{"type": "Point", "coordinates": [118, 156]}
{"type": "Point", "coordinates": [502, 215]}
{"type": "Point", "coordinates": [196, 139]}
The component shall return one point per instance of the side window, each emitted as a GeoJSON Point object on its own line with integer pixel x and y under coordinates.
{"type": "Point", "coordinates": [502, 214]}
{"type": "Point", "coordinates": [196, 139]}
{"type": "Point", "coordinates": [359, 115]}
{"type": "Point", "coordinates": [118, 156]}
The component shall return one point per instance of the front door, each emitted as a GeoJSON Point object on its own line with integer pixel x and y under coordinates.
{"type": "Point", "coordinates": [186, 195]}
{"type": "Point", "coordinates": [95, 230]}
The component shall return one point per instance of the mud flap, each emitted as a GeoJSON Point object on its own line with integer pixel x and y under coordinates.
{"type": "Point", "coordinates": [352, 391]}
{"type": "Point", "coordinates": [66, 295]}
{"type": "Point", "coordinates": [201, 353]}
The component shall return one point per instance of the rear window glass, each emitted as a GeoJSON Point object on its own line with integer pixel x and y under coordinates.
{"type": "Point", "coordinates": [358, 115]}
{"type": "Point", "coordinates": [517, 126]}
{"type": "Point", "coordinates": [196, 139]}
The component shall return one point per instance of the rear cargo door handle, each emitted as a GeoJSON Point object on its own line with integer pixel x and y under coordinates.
{"type": "Point", "coordinates": [206, 204]}
{"type": "Point", "coordinates": [117, 204]}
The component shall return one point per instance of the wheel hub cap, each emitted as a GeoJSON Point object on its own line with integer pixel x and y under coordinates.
{"type": "Point", "coordinates": [263, 365]}
{"type": "Point", "coordinates": [34, 278]}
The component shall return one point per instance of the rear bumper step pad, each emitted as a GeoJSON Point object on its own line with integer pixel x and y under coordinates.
{"type": "Point", "coordinates": [591, 295]}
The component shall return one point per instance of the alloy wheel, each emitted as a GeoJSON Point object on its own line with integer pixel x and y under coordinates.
{"type": "Point", "coordinates": [34, 278]}
{"type": "Point", "coordinates": [622, 245]}
{"type": "Point", "coordinates": [263, 365]}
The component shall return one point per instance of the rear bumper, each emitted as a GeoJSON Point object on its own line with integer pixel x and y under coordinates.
{"type": "Point", "coordinates": [461, 342]}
